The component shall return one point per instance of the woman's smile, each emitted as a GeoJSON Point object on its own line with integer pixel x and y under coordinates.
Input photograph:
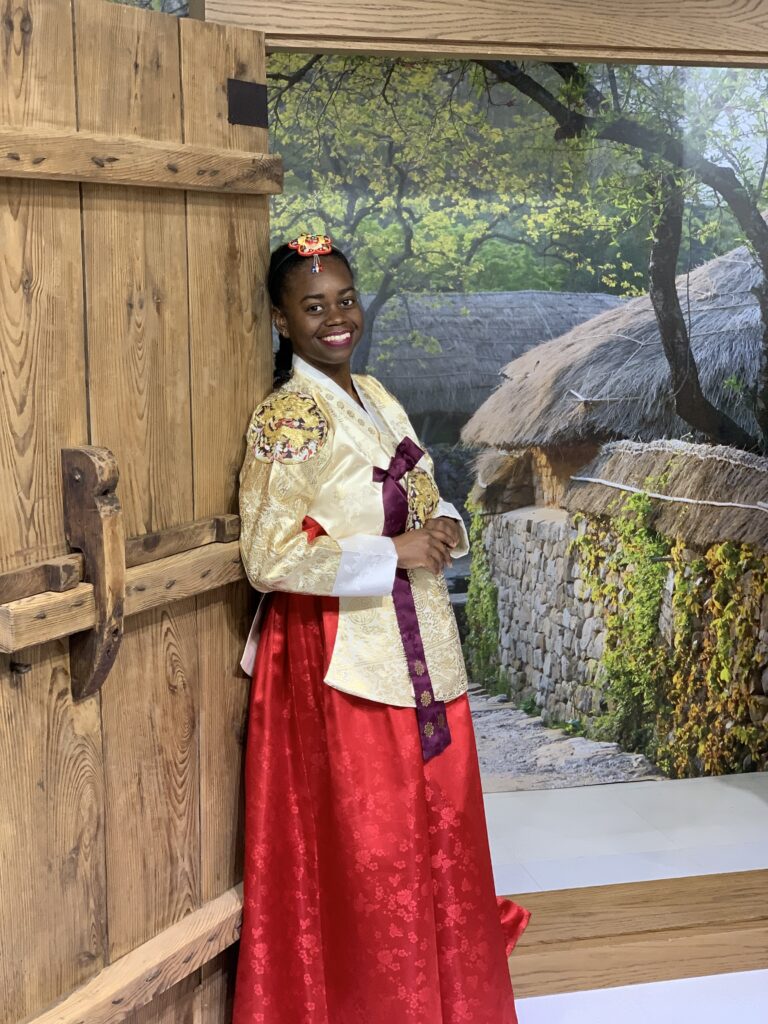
{"type": "Point", "coordinates": [338, 339]}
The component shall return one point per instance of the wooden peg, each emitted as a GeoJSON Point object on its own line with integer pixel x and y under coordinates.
{"type": "Point", "coordinates": [93, 524]}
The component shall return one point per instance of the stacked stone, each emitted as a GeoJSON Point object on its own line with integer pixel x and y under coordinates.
{"type": "Point", "coordinates": [552, 632]}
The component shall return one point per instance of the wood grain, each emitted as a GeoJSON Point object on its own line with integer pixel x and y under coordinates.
{"type": "Point", "coordinates": [62, 573]}
{"type": "Point", "coordinates": [52, 910]}
{"type": "Point", "coordinates": [135, 256]}
{"type": "Point", "coordinates": [605, 936]}
{"type": "Point", "coordinates": [48, 616]}
{"type": "Point", "coordinates": [154, 967]}
{"type": "Point", "coordinates": [57, 155]}
{"type": "Point", "coordinates": [52, 920]}
{"type": "Point", "coordinates": [231, 358]}
{"type": "Point", "coordinates": [94, 525]}
{"type": "Point", "coordinates": [688, 32]}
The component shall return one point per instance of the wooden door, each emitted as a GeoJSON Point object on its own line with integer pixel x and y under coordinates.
{"type": "Point", "coordinates": [133, 316]}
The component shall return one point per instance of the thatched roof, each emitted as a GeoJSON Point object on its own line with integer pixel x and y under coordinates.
{"type": "Point", "coordinates": [502, 480]}
{"type": "Point", "coordinates": [608, 378]}
{"type": "Point", "coordinates": [719, 493]}
{"type": "Point", "coordinates": [443, 352]}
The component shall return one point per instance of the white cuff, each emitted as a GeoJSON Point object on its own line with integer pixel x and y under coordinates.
{"type": "Point", "coordinates": [445, 508]}
{"type": "Point", "coordinates": [367, 567]}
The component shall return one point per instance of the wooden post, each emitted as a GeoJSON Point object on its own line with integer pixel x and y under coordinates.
{"type": "Point", "coordinates": [93, 524]}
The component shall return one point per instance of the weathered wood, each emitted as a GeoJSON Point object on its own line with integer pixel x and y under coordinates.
{"type": "Point", "coordinates": [707, 32]}
{"type": "Point", "coordinates": [58, 574]}
{"type": "Point", "coordinates": [52, 921]}
{"type": "Point", "coordinates": [151, 546]}
{"type": "Point", "coordinates": [153, 967]}
{"type": "Point", "coordinates": [231, 356]}
{"type": "Point", "coordinates": [67, 571]}
{"type": "Point", "coordinates": [52, 907]}
{"type": "Point", "coordinates": [48, 154]}
{"type": "Point", "coordinates": [94, 524]}
{"type": "Point", "coordinates": [137, 316]}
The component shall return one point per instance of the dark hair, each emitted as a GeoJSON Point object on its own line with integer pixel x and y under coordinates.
{"type": "Point", "coordinates": [282, 261]}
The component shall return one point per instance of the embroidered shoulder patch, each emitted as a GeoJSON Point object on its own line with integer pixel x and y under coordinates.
{"type": "Point", "coordinates": [423, 497]}
{"type": "Point", "coordinates": [287, 427]}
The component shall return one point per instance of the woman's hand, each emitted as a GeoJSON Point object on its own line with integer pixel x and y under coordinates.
{"type": "Point", "coordinates": [428, 548]}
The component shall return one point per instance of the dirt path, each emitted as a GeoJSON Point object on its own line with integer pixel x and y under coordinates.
{"type": "Point", "coordinates": [518, 752]}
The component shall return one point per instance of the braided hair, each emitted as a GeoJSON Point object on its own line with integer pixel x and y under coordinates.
{"type": "Point", "coordinates": [283, 260]}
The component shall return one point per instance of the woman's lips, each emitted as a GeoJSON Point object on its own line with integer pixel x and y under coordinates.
{"type": "Point", "coordinates": [338, 339]}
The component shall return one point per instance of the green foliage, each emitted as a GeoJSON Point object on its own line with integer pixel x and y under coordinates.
{"type": "Point", "coordinates": [481, 647]}
{"type": "Point", "coordinates": [686, 704]}
{"type": "Point", "coordinates": [433, 177]}
{"type": "Point", "coordinates": [623, 565]}
{"type": "Point", "coordinates": [530, 707]}
{"type": "Point", "coordinates": [705, 720]}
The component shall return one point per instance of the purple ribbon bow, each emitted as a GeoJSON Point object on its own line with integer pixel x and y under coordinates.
{"type": "Point", "coordinates": [430, 713]}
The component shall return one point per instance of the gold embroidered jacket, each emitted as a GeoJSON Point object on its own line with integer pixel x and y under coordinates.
{"type": "Point", "coordinates": [310, 451]}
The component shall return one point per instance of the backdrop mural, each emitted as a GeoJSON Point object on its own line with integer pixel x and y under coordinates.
{"type": "Point", "coordinates": [564, 269]}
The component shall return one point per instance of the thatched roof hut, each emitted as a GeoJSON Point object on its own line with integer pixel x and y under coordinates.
{"type": "Point", "coordinates": [702, 493]}
{"type": "Point", "coordinates": [608, 378]}
{"type": "Point", "coordinates": [442, 353]}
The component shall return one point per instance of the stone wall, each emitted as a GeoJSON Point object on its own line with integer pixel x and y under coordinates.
{"type": "Point", "coordinates": [552, 634]}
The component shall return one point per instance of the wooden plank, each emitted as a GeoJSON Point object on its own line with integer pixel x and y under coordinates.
{"type": "Point", "coordinates": [591, 912]}
{"type": "Point", "coordinates": [135, 256]}
{"type": "Point", "coordinates": [44, 617]}
{"type": "Point", "coordinates": [690, 32]}
{"type": "Point", "coordinates": [52, 921]}
{"type": "Point", "coordinates": [154, 967]}
{"type": "Point", "coordinates": [52, 910]}
{"type": "Point", "coordinates": [634, 960]}
{"type": "Point", "coordinates": [67, 571]}
{"type": "Point", "coordinates": [55, 155]}
{"type": "Point", "coordinates": [57, 574]}
{"type": "Point", "coordinates": [229, 378]}
{"type": "Point", "coordinates": [151, 546]}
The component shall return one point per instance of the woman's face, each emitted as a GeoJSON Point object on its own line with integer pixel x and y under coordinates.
{"type": "Point", "coordinates": [320, 313]}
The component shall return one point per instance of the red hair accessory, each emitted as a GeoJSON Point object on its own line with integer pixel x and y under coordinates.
{"type": "Point", "coordinates": [314, 246]}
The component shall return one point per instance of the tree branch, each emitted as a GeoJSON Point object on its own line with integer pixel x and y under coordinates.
{"type": "Point", "coordinates": [691, 404]}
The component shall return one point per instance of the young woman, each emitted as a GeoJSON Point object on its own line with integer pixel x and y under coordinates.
{"type": "Point", "coordinates": [368, 893]}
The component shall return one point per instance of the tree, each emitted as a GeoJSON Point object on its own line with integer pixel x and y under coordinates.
{"type": "Point", "coordinates": [435, 167]}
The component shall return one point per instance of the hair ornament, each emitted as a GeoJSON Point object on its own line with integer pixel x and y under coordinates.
{"type": "Point", "coordinates": [314, 246]}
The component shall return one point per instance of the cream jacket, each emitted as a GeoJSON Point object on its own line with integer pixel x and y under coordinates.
{"type": "Point", "coordinates": [311, 450]}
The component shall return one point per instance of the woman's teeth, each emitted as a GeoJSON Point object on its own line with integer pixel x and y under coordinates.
{"type": "Point", "coordinates": [337, 339]}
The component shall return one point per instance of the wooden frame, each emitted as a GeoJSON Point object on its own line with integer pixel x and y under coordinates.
{"type": "Point", "coordinates": [712, 32]}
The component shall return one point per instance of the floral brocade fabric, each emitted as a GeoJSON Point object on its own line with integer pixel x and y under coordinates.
{"type": "Point", "coordinates": [368, 890]}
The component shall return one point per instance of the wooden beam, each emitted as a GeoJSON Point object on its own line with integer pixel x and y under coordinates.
{"type": "Point", "coordinates": [53, 154]}
{"type": "Point", "coordinates": [153, 967]}
{"type": "Point", "coordinates": [605, 936]}
{"type": "Point", "coordinates": [93, 523]}
{"type": "Point", "coordinates": [709, 32]}
{"type": "Point", "coordinates": [34, 620]}
{"type": "Point", "coordinates": [67, 571]}
{"type": "Point", "coordinates": [55, 574]}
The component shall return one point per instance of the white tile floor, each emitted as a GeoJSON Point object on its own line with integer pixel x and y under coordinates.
{"type": "Point", "coordinates": [627, 832]}
{"type": "Point", "coordinates": [717, 999]}
{"type": "Point", "coordinates": [636, 831]}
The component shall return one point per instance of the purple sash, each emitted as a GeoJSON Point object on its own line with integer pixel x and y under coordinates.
{"type": "Point", "coordinates": [430, 713]}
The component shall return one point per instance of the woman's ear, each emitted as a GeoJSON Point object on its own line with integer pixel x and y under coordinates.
{"type": "Point", "coordinates": [279, 321]}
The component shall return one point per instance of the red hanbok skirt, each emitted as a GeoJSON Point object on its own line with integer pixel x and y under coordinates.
{"type": "Point", "coordinates": [368, 892]}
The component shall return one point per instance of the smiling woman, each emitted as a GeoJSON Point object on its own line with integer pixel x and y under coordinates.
{"type": "Point", "coordinates": [368, 891]}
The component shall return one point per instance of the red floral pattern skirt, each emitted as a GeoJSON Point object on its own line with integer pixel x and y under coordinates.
{"type": "Point", "coordinates": [368, 893]}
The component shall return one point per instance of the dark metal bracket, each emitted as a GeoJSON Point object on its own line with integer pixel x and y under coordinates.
{"type": "Point", "coordinates": [93, 524]}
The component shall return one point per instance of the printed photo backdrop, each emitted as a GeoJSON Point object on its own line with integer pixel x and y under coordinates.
{"type": "Point", "coordinates": [564, 274]}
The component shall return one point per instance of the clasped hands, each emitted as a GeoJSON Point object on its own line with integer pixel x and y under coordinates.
{"type": "Point", "coordinates": [429, 547]}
